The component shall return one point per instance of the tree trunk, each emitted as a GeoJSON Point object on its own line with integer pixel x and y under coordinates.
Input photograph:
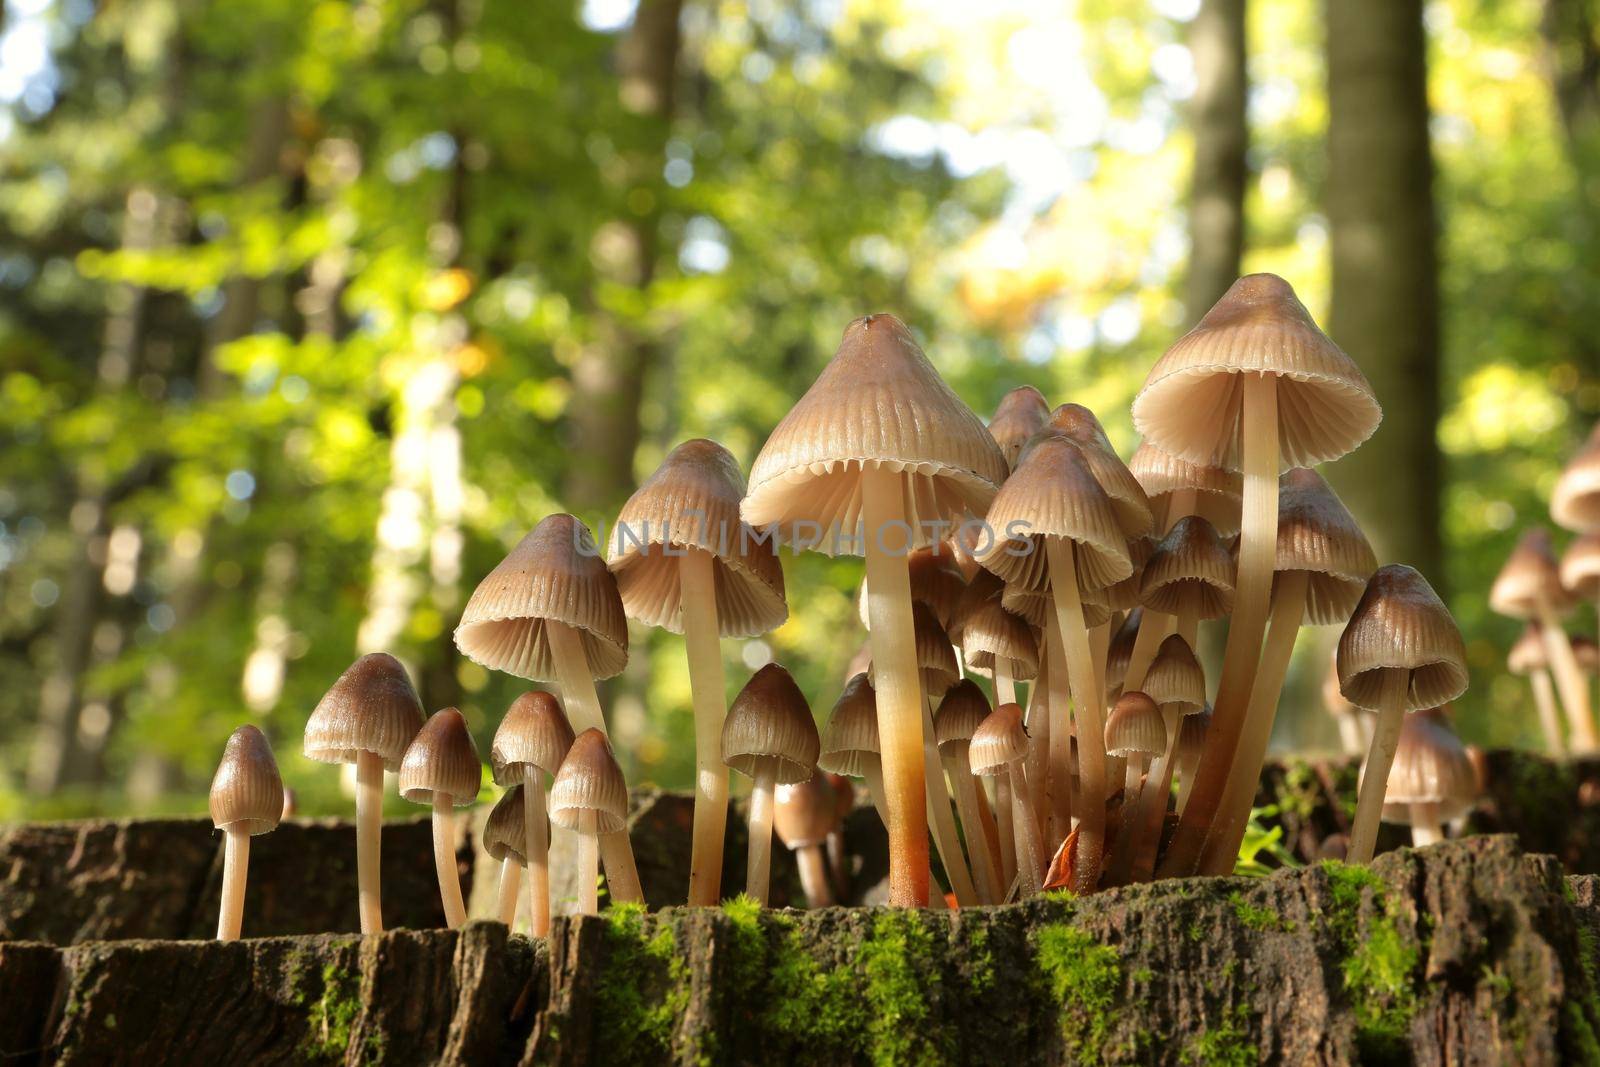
{"type": "Point", "coordinates": [1571, 31]}
{"type": "Point", "coordinates": [1385, 311]}
{"type": "Point", "coordinates": [1221, 138]}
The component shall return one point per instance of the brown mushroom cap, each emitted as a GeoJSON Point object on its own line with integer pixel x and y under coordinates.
{"type": "Point", "coordinates": [1219, 494]}
{"type": "Point", "coordinates": [1530, 573]}
{"type": "Point", "coordinates": [1528, 654]}
{"type": "Point", "coordinates": [1192, 735]}
{"type": "Point", "coordinates": [992, 633]}
{"type": "Point", "coordinates": [1575, 503]}
{"type": "Point", "coordinates": [852, 730]}
{"type": "Point", "coordinates": [442, 759]}
{"type": "Point", "coordinates": [1175, 678]}
{"type": "Point", "coordinates": [1431, 765]}
{"type": "Point", "coordinates": [1192, 403]}
{"type": "Point", "coordinates": [935, 581]}
{"type": "Point", "coordinates": [554, 573]}
{"type": "Point", "coordinates": [1400, 623]}
{"type": "Point", "coordinates": [590, 783]}
{"type": "Point", "coordinates": [1580, 567]}
{"type": "Point", "coordinates": [371, 708]}
{"type": "Point", "coordinates": [936, 657]}
{"type": "Point", "coordinates": [880, 403]}
{"type": "Point", "coordinates": [770, 721]}
{"type": "Point", "coordinates": [505, 833]}
{"type": "Point", "coordinates": [1020, 414]}
{"type": "Point", "coordinates": [1036, 605]}
{"type": "Point", "coordinates": [534, 733]}
{"type": "Point", "coordinates": [1190, 572]}
{"type": "Point", "coordinates": [1124, 595]}
{"type": "Point", "coordinates": [805, 813]}
{"type": "Point", "coordinates": [1080, 426]}
{"type": "Point", "coordinates": [999, 741]}
{"type": "Point", "coordinates": [1318, 535]}
{"type": "Point", "coordinates": [247, 791]}
{"type": "Point", "coordinates": [1135, 727]}
{"type": "Point", "coordinates": [960, 713]}
{"type": "Point", "coordinates": [692, 502]}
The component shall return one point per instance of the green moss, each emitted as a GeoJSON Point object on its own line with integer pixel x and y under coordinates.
{"type": "Point", "coordinates": [1084, 979]}
{"type": "Point", "coordinates": [1379, 964]}
{"type": "Point", "coordinates": [645, 992]}
{"type": "Point", "coordinates": [980, 959]}
{"type": "Point", "coordinates": [1579, 1044]}
{"type": "Point", "coordinates": [812, 1006]}
{"type": "Point", "coordinates": [1225, 1044]}
{"type": "Point", "coordinates": [1301, 791]}
{"type": "Point", "coordinates": [1256, 918]}
{"type": "Point", "coordinates": [901, 971]}
{"type": "Point", "coordinates": [331, 1020]}
{"type": "Point", "coordinates": [1057, 896]}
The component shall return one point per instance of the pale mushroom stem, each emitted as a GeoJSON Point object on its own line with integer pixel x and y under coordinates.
{"type": "Point", "coordinates": [986, 824]}
{"type": "Point", "coordinates": [1037, 718]}
{"type": "Point", "coordinates": [510, 884]}
{"type": "Point", "coordinates": [369, 839]}
{"type": "Point", "coordinates": [1544, 698]}
{"type": "Point", "coordinates": [1005, 830]}
{"type": "Point", "coordinates": [1153, 798]}
{"type": "Point", "coordinates": [1570, 682]}
{"type": "Point", "coordinates": [940, 819]}
{"type": "Point", "coordinates": [1099, 649]}
{"type": "Point", "coordinates": [1056, 783]}
{"type": "Point", "coordinates": [839, 864]}
{"type": "Point", "coordinates": [1426, 829]}
{"type": "Point", "coordinates": [1030, 843]}
{"type": "Point", "coordinates": [1185, 782]}
{"type": "Point", "coordinates": [1132, 788]}
{"type": "Point", "coordinates": [1005, 685]}
{"type": "Point", "coordinates": [538, 852]}
{"type": "Point", "coordinates": [588, 866]}
{"type": "Point", "coordinates": [1090, 711]}
{"type": "Point", "coordinates": [814, 876]}
{"type": "Point", "coordinates": [758, 873]}
{"type": "Point", "coordinates": [582, 702]}
{"type": "Point", "coordinates": [1380, 757]}
{"type": "Point", "coordinates": [901, 708]}
{"type": "Point", "coordinates": [985, 864]}
{"type": "Point", "coordinates": [697, 582]}
{"type": "Point", "coordinates": [1258, 549]}
{"type": "Point", "coordinates": [444, 860]}
{"type": "Point", "coordinates": [872, 774]}
{"type": "Point", "coordinates": [1227, 830]}
{"type": "Point", "coordinates": [235, 868]}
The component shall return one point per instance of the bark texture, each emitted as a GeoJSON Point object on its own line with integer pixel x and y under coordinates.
{"type": "Point", "coordinates": [1221, 140]}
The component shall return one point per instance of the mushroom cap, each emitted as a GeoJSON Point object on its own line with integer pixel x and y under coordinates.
{"type": "Point", "coordinates": [879, 403]}
{"type": "Point", "coordinates": [805, 813]}
{"type": "Point", "coordinates": [1135, 727]}
{"type": "Point", "coordinates": [1530, 573]}
{"type": "Point", "coordinates": [851, 734]}
{"type": "Point", "coordinates": [535, 733]}
{"type": "Point", "coordinates": [935, 581]}
{"type": "Point", "coordinates": [589, 788]}
{"type": "Point", "coordinates": [1119, 653]}
{"type": "Point", "coordinates": [554, 573]}
{"type": "Point", "coordinates": [371, 708]}
{"type": "Point", "coordinates": [1192, 731]}
{"type": "Point", "coordinates": [1218, 493]}
{"type": "Point", "coordinates": [1020, 414]}
{"type": "Point", "coordinates": [1431, 765]}
{"type": "Point", "coordinates": [505, 833]}
{"type": "Point", "coordinates": [1053, 494]}
{"type": "Point", "coordinates": [1124, 595]}
{"type": "Point", "coordinates": [1580, 566]}
{"type": "Point", "coordinates": [1575, 503]}
{"type": "Point", "coordinates": [999, 741]}
{"type": "Point", "coordinates": [1190, 572]}
{"type": "Point", "coordinates": [1082, 428]}
{"type": "Point", "coordinates": [247, 791]}
{"type": "Point", "coordinates": [1400, 623]}
{"type": "Point", "coordinates": [936, 656]}
{"type": "Point", "coordinates": [1192, 403]}
{"type": "Point", "coordinates": [1333, 700]}
{"type": "Point", "coordinates": [1528, 654]}
{"type": "Point", "coordinates": [1175, 678]}
{"type": "Point", "coordinates": [992, 632]}
{"type": "Point", "coordinates": [844, 795]}
{"type": "Point", "coordinates": [770, 721]}
{"type": "Point", "coordinates": [960, 713]}
{"type": "Point", "coordinates": [1318, 535]}
{"type": "Point", "coordinates": [442, 759]}
{"type": "Point", "coordinates": [691, 503]}
{"type": "Point", "coordinates": [1036, 605]}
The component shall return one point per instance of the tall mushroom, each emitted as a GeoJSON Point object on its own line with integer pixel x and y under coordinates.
{"type": "Point", "coordinates": [246, 799]}
{"type": "Point", "coordinates": [531, 742]}
{"type": "Point", "coordinates": [999, 746]}
{"type": "Point", "coordinates": [960, 713]}
{"type": "Point", "coordinates": [441, 769]}
{"type": "Point", "coordinates": [1001, 644]}
{"type": "Point", "coordinates": [1432, 780]}
{"type": "Point", "coordinates": [1528, 657]}
{"type": "Point", "coordinates": [551, 612]}
{"type": "Point", "coordinates": [1177, 684]}
{"type": "Point", "coordinates": [589, 797]}
{"type": "Point", "coordinates": [1135, 731]}
{"type": "Point", "coordinates": [1254, 387]}
{"type": "Point", "coordinates": [770, 738]}
{"type": "Point", "coordinates": [1575, 503]}
{"type": "Point", "coordinates": [367, 718]}
{"type": "Point", "coordinates": [880, 453]}
{"type": "Point", "coordinates": [804, 814]}
{"type": "Point", "coordinates": [505, 839]}
{"type": "Point", "coordinates": [685, 562]}
{"type": "Point", "coordinates": [1400, 651]}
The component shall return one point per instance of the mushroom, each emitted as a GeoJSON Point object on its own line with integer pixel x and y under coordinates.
{"type": "Point", "coordinates": [1575, 503]}
{"type": "Point", "coordinates": [1354, 727]}
{"type": "Point", "coordinates": [1529, 587]}
{"type": "Point", "coordinates": [1020, 414]}
{"type": "Point", "coordinates": [1176, 683]}
{"type": "Point", "coordinates": [590, 797]}
{"type": "Point", "coordinates": [770, 738]}
{"type": "Point", "coordinates": [1400, 651]}
{"type": "Point", "coordinates": [1189, 577]}
{"type": "Point", "coordinates": [1254, 387]}
{"type": "Point", "coordinates": [1175, 488]}
{"type": "Point", "coordinates": [246, 799]}
{"type": "Point", "coordinates": [960, 713]}
{"type": "Point", "coordinates": [804, 814]}
{"type": "Point", "coordinates": [685, 562]}
{"type": "Point", "coordinates": [1580, 568]}
{"type": "Point", "coordinates": [505, 836]}
{"type": "Point", "coordinates": [532, 741]}
{"type": "Point", "coordinates": [999, 747]}
{"type": "Point", "coordinates": [1119, 654]}
{"type": "Point", "coordinates": [999, 643]}
{"type": "Point", "coordinates": [1528, 657]}
{"type": "Point", "coordinates": [551, 612]}
{"type": "Point", "coordinates": [935, 581]}
{"type": "Point", "coordinates": [1135, 731]}
{"type": "Point", "coordinates": [367, 718]}
{"type": "Point", "coordinates": [849, 742]}
{"type": "Point", "coordinates": [1433, 780]}
{"type": "Point", "coordinates": [1191, 742]}
{"type": "Point", "coordinates": [881, 455]}
{"type": "Point", "coordinates": [441, 768]}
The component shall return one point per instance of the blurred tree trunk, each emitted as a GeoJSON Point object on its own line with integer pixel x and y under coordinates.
{"type": "Point", "coordinates": [1221, 139]}
{"type": "Point", "coordinates": [1385, 313]}
{"type": "Point", "coordinates": [608, 376]}
{"type": "Point", "coordinates": [1571, 31]}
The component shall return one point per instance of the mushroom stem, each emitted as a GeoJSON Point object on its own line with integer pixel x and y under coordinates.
{"type": "Point", "coordinates": [588, 867]}
{"type": "Point", "coordinates": [1221, 846]}
{"type": "Point", "coordinates": [984, 862]}
{"type": "Point", "coordinates": [839, 864]}
{"type": "Point", "coordinates": [697, 582]}
{"type": "Point", "coordinates": [582, 703]}
{"type": "Point", "coordinates": [1380, 757]}
{"type": "Point", "coordinates": [901, 708]}
{"type": "Point", "coordinates": [759, 871]}
{"type": "Point", "coordinates": [1185, 769]}
{"type": "Point", "coordinates": [537, 829]}
{"type": "Point", "coordinates": [1544, 698]}
{"type": "Point", "coordinates": [510, 883]}
{"type": "Point", "coordinates": [1090, 711]}
{"type": "Point", "coordinates": [872, 774]}
{"type": "Point", "coordinates": [1005, 685]}
{"type": "Point", "coordinates": [235, 868]}
{"type": "Point", "coordinates": [1153, 803]}
{"type": "Point", "coordinates": [444, 861]}
{"type": "Point", "coordinates": [1154, 626]}
{"type": "Point", "coordinates": [1037, 718]}
{"type": "Point", "coordinates": [369, 839]}
{"type": "Point", "coordinates": [1005, 830]}
{"type": "Point", "coordinates": [1056, 782]}
{"type": "Point", "coordinates": [1426, 828]}
{"type": "Point", "coordinates": [940, 819]}
{"type": "Point", "coordinates": [1133, 774]}
{"type": "Point", "coordinates": [813, 876]}
{"type": "Point", "coordinates": [1570, 682]}
{"type": "Point", "coordinates": [1258, 550]}
{"type": "Point", "coordinates": [1030, 843]}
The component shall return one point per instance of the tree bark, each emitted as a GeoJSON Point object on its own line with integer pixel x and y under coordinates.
{"type": "Point", "coordinates": [1571, 32]}
{"type": "Point", "coordinates": [1385, 312]}
{"type": "Point", "coordinates": [1221, 139]}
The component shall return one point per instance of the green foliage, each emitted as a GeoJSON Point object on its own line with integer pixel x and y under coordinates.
{"type": "Point", "coordinates": [901, 972]}
{"type": "Point", "coordinates": [1256, 918]}
{"type": "Point", "coordinates": [1379, 960]}
{"type": "Point", "coordinates": [1084, 978]}
{"type": "Point", "coordinates": [645, 992]}
{"type": "Point", "coordinates": [330, 1021]}
{"type": "Point", "coordinates": [1227, 1043]}
{"type": "Point", "coordinates": [1261, 844]}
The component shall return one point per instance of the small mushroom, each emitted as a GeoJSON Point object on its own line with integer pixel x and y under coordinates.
{"type": "Point", "coordinates": [1529, 657]}
{"type": "Point", "coordinates": [960, 713]}
{"type": "Point", "coordinates": [441, 768]}
{"type": "Point", "coordinates": [999, 746]}
{"type": "Point", "coordinates": [1020, 414]}
{"type": "Point", "coordinates": [531, 742]}
{"type": "Point", "coordinates": [505, 840]}
{"type": "Point", "coordinates": [1575, 503]}
{"type": "Point", "coordinates": [246, 799]}
{"type": "Point", "coordinates": [1177, 684]}
{"type": "Point", "coordinates": [805, 813]}
{"type": "Point", "coordinates": [849, 741]}
{"type": "Point", "coordinates": [1432, 780]}
{"type": "Point", "coordinates": [590, 797]}
{"type": "Point", "coordinates": [1529, 587]}
{"type": "Point", "coordinates": [1135, 731]}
